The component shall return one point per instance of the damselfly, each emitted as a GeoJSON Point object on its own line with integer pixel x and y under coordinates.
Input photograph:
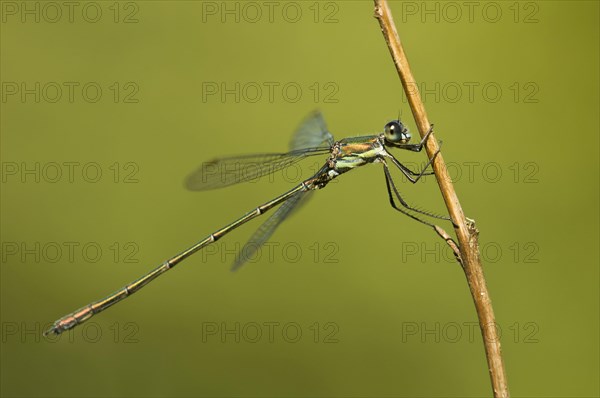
{"type": "Point", "coordinates": [312, 138]}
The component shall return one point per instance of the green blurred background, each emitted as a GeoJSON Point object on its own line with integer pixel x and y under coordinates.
{"type": "Point", "coordinates": [381, 307]}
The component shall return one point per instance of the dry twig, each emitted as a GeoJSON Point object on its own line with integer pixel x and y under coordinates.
{"type": "Point", "coordinates": [467, 252]}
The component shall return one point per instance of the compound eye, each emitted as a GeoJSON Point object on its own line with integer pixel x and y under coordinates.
{"type": "Point", "coordinates": [395, 132]}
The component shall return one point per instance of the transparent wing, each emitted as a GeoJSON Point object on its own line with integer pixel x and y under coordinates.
{"type": "Point", "coordinates": [312, 132]}
{"type": "Point", "coordinates": [311, 138]}
{"type": "Point", "coordinates": [268, 227]}
{"type": "Point", "coordinates": [223, 172]}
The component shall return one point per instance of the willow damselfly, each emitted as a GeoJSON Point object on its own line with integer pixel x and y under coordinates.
{"type": "Point", "coordinates": [311, 139]}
